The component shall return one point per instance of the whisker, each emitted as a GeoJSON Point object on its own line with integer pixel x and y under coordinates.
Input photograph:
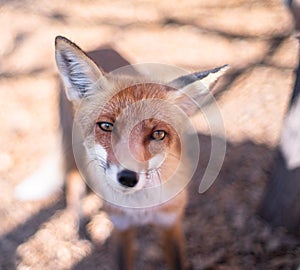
{"type": "Point", "coordinates": [98, 162]}
{"type": "Point", "coordinates": [160, 181]}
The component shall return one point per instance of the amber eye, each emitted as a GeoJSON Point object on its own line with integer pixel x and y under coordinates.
{"type": "Point", "coordinates": [105, 126]}
{"type": "Point", "coordinates": [158, 135]}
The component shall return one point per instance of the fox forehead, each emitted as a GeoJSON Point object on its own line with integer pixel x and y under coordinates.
{"type": "Point", "coordinates": [123, 98]}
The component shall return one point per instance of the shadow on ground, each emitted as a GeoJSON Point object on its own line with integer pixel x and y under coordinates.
{"type": "Point", "coordinates": [23, 232]}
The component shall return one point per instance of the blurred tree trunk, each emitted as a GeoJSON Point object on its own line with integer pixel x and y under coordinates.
{"type": "Point", "coordinates": [281, 203]}
{"type": "Point", "coordinates": [294, 6]}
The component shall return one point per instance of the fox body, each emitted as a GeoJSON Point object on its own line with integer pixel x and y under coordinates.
{"type": "Point", "coordinates": [129, 134]}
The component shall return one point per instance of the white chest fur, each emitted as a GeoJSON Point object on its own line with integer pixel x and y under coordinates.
{"type": "Point", "coordinates": [137, 217]}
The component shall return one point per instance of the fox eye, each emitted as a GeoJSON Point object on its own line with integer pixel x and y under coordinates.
{"type": "Point", "coordinates": [105, 126]}
{"type": "Point", "coordinates": [158, 135]}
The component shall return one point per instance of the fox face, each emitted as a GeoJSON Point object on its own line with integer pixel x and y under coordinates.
{"type": "Point", "coordinates": [138, 147]}
{"type": "Point", "coordinates": [132, 128]}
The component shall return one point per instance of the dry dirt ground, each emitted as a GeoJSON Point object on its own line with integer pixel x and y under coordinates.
{"type": "Point", "coordinates": [221, 225]}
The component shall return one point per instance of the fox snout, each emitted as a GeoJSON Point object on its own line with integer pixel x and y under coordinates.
{"type": "Point", "coordinates": [127, 178]}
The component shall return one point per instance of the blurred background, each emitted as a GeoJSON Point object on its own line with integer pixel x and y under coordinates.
{"type": "Point", "coordinates": [256, 38]}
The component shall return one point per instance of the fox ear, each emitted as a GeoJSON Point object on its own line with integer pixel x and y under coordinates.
{"type": "Point", "coordinates": [193, 89]}
{"type": "Point", "coordinates": [78, 72]}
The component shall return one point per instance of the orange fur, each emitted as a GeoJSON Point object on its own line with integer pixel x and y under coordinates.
{"type": "Point", "coordinates": [118, 101]}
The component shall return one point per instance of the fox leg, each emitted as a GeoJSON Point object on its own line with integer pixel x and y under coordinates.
{"type": "Point", "coordinates": [125, 249]}
{"type": "Point", "coordinates": [173, 245]}
{"type": "Point", "coordinates": [75, 188]}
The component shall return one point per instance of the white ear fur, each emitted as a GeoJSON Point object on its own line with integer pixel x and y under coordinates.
{"type": "Point", "coordinates": [212, 77]}
{"type": "Point", "coordinates": [78, 72]}
{"type": "Point", "coordinates": [193, 89]}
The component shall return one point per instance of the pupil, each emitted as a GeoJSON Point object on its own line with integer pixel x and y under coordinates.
{"type": "Point", "coordinates": [158, 135]}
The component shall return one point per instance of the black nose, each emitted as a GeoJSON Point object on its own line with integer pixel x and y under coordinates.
{"type": "Point", "coordinates": [127, 178]}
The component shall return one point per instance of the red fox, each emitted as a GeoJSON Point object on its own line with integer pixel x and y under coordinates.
{"type": "Point", "coordinates": [130, 130]}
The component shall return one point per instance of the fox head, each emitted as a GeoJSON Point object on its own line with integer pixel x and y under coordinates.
{"type": "Point", "coordinates": [131, 127]}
